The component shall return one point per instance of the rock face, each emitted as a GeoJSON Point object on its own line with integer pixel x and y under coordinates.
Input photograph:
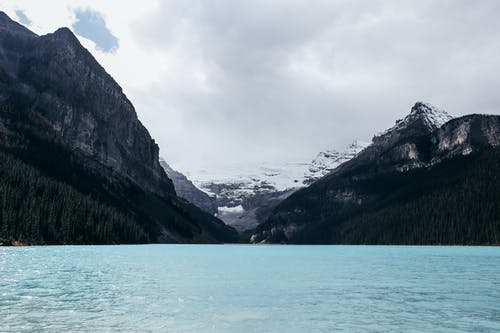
{"type": "Point", "coordinates": [87, 109]}
{"type": "Point", "coordinates": [187, 190]}
{"type": "Point", "coordinates": [399, 169]}
{"type": "Point", "coordinates": [423, 138]}
{"type": "Point", "coordinates": [56, 99]}
{"type": "Point", "coordinates": [423, 118]}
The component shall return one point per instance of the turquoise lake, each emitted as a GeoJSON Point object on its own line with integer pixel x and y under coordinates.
{"type": "Point", "coordinates": [239, 288]}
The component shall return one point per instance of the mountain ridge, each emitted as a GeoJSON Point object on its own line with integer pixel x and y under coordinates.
{"type": "Point", "coordinates": [64, 115]}
{"type": "Point", "coordinates": [321, 211]}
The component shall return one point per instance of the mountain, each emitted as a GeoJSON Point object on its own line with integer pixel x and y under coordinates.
{"type": "Point", "coordinates": [65, 120]}
{"type": "Point", "coordinates": [187, 190]}
{"type": "Point", "coordinates": [246, 195]}
{"type": "Point", "coordinates": [326, 161]}
{"type": "Point", "coordinates": [430, 179]}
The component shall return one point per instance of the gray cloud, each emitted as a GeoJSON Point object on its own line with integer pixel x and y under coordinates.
{"type": "Point", "coordinates": [274, 80]}
{"type": "Point", "coordinates": [21, 16]}
{"type": "Point", "coordinates": [91, 24]}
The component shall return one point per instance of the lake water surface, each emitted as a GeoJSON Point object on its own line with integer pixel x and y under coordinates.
{"type": "Point", "coordinates": [238, 288]}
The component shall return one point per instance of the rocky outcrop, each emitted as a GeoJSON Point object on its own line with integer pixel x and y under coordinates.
{"type": "Point", "coordinates": [464, 136]}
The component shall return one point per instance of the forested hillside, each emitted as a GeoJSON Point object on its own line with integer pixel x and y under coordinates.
{"type": "Point", "coordinates": [460, 205]}
{"type": "Point", "coordinates": [455, 202]}
{"type": "Point", "coordinates": [36, 209]}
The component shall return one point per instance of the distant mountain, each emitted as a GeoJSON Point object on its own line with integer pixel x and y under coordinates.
{"type": "Point", "coordinates": [246, 196]}
{"type": "Point", "coordinates": [326, 161]}
{"type": "Point", "coordinates": [187, 190]}
{"type": "Point", "coordinates": [430, 179]}
{"type": "Point", "coordinates": [65, 120]}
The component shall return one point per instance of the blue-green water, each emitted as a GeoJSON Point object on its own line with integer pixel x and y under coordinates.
{"type": "Point", "coordinates": [200, 288]}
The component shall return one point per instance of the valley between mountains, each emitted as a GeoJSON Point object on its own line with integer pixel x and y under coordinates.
{"type": "Point", "coordinates": [78, 167]}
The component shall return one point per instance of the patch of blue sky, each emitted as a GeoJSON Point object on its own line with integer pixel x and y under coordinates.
{"type": "Point", "coordinates": [91, 25]}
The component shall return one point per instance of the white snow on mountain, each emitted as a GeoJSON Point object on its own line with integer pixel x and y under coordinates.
{"type": "Point", "coordinates": [236, 209]}
{"type": "Point", "coordinates": [328, 160]}
{"type": "Point", "coordinates": [432, 116]}
{"type": "Point", "coordinates": [241, 180]}
{"type": "Point", "coordinates": [246, 194]}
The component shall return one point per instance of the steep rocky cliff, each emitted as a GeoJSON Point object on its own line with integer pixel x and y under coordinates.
{"type": "Point", "coordinates": [406, 187]}
{"type": "Point", "coordinates": [63, 114]}
{"type": "Point", "coordinates": [56, 76]}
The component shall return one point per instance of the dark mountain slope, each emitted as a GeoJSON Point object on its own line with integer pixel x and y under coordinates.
{"type": "Point", "coordinates": [187, 190]}
{"type": "Point", "coordinates": [410, 186]}
{"type": "Point", "coordinates": [457, 202]}
{"type": "Point", "coordinates": [37, 209]}
{"type": "Point", "coordinates": [60, 80]}
{"type": "Point", "coordinates": [63, 115]}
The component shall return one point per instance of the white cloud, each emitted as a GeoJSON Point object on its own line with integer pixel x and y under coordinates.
{"type": "Point", "coordinates": [224, 81]}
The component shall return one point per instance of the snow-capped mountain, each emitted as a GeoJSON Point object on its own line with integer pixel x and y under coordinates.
{"type": "Point", "coordinates": [328, 160]}
{"type": "Point", "coordinates": [245, 196]}
{"type": "Point", "coordinates": [426, 180]}
{"type": "Point", "coordinates": [423, 118]}
{"type": "Point", "coordinates": [241, 180]}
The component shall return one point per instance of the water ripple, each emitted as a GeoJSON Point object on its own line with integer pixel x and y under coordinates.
{"type": "Point", "coordinates": [159, 288]}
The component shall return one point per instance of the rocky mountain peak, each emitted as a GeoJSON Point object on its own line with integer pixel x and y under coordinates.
{"type": "Point", "coordinates": [62, 45]}
{"type": "Point", "coordinates": [15, 39]}
{"type": "Point", "coordinates": [81, 102]}
{"type": "Point", "coordinates": [12, 27]}
{"type": "Point", "coordinates": [423, 119]}
{"type": "Point", "coordinates": [62, 113]}
{"type": "Point", "coordinates": [65, 34]}
{"type": "Point", "coordinates": [5, 20]}
{"type": "Point", "coordinates": [433, 116]}
{"type": "Point", "coordinates": [380, 182]}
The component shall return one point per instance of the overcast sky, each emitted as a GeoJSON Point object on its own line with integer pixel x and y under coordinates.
{"type": "Point", "coordinates": [223, 82]}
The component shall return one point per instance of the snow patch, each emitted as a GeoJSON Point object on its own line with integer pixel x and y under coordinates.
{"type": "Point", "coordinates": [328, 160]}
{"type": "Point", "coordinates": [236, 209]}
